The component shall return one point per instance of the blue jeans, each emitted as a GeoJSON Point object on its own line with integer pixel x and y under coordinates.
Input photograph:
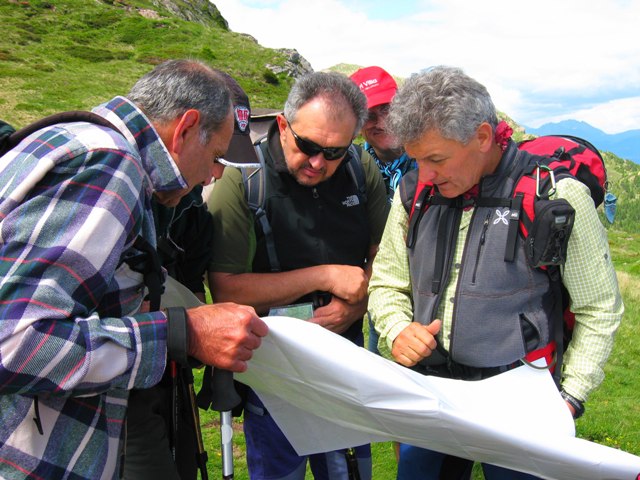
{"type": "Point", "coordinates": [421, 464]}
{"type": "Point", "coordinates": [270, 456]}
{"type": "Point", "coordinates": [372, 346]}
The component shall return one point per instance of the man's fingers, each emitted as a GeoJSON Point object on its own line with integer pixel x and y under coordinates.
{"type": "Point", "coordinates": [415, 343]}
{"type": "Point", "coordinates": [259, 328]}
{"type": "Point", "coordinates": [426, 334]}
{"type": "Point", "coordinates": [434, 327]}
{"type": "Point", "coordinates": [225, 335]}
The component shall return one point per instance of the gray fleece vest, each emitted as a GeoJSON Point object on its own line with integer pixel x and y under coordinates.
{"type": "Point", "coordinates": [501, 310]}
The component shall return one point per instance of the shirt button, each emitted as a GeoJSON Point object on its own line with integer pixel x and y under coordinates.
{"type": "Point", "coordinates": [452, 300]}
{"type": "Point", "coordinates": [457, 265]}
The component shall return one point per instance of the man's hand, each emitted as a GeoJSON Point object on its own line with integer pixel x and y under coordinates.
{"type": "Point", "coordinates": [339, 315]}
{"type": "Point", "coordinates": [347, 282]}
{"type": "Point", "coordinates": [571, 409]}
{"type": "Point", "coordinates": [415, 342]}
{"type": "Point", "coordinates": [224, 335]}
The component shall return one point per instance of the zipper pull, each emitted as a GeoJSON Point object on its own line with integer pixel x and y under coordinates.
{"type": "Point", "coordinates": [485, 226]}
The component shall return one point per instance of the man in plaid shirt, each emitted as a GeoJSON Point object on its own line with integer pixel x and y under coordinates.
{"type": "Point", "coordinates": [74, 340]}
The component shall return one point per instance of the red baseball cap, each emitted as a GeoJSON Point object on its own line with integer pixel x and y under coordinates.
{"type": "Point", "coordinates": [378, 86]}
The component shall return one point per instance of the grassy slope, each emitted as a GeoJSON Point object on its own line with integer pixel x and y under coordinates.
{"type": "Point", "coordinates": [72, 54]}
{"type": "Point", "coordinates": [79, 53]}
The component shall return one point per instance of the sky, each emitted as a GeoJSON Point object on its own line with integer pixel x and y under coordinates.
{"type": "Point", "coordinates": [541, 60]}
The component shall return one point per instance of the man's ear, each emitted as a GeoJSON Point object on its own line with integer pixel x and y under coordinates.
{"type": "Point", "coordinates": [186, 127]}
{"type": "Point", "coordinates": [485, 137]}
{"type": "Point", "coordinates": [282, 122]}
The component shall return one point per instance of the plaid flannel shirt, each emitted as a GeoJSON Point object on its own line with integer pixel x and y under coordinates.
{"type": "Point", "coordinates": [73, 199]}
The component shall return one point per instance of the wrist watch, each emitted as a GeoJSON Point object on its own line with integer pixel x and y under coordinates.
{"type": "Point", "coordinates": [577, 405]}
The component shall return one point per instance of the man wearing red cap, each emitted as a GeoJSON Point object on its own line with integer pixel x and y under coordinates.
{"type": "Point", "coordinates": [379, 87]}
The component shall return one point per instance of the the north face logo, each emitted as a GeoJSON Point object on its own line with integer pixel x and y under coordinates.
{"type": "Point", "coordinates": [351, 201]}
{"type": "Point", "coordinates": [242, 117]}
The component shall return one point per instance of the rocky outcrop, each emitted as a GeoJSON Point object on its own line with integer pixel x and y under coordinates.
{"type": "Point", "coordinates": [200, 11]}
{"type": "Point", "coordinates": [206, 13]}
{"type": "Point", "coordinates": [295, 66]}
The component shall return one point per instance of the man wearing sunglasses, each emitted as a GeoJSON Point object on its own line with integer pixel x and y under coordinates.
{"type": "Point", "coordinates": [325, 234]}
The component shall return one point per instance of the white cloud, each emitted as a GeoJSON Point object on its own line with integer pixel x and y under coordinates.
{"type": "Point", "coordinates": [624, 113]}
{"type": "Point", "coordinates": [525, 52]}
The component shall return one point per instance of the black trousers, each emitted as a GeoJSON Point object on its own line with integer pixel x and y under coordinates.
{"type": "Point", "coordinates": [149, 446]}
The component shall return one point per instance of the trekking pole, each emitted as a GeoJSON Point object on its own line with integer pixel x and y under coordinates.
{"type": "Point", "coordinates": [224, 398]}
{"type": "Point", "coordinates": [175, 412]}
{"type": "Point", "coordinates": [195, 416]}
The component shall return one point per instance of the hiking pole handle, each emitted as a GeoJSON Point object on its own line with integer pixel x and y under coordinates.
{"type": "Point", "coordinates": [224, 395]}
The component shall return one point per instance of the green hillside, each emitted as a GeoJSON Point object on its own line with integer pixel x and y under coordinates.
{"type": "Point", "coordinates": [69, 54]}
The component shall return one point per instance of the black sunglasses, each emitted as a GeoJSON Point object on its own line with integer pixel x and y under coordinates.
{"type": "Point", "coordinates": [312, 149]}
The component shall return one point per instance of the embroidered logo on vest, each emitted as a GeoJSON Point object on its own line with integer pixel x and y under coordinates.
{"type": "Point", "coordinates": [351, 201]}
{"type": "Point", "coordinates": [501, 217]}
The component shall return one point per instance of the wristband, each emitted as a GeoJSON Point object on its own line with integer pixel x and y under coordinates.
{"type": "Point", "coordinates": [575, 403]}
{"type": "Point", "coordinates": [177, 341]}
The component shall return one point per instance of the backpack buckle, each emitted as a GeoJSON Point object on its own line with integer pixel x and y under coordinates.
{"type": "Point", "coordinates": [552, 177]}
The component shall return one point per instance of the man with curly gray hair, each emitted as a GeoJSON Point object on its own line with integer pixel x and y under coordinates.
{"type": "Point", "coordinates": [445, 297]}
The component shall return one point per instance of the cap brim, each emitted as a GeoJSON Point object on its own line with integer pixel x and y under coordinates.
{"type": "Point", "coordinates": [241, 150]}
{"type": "Point", "coordinates": [261, 121]}
{"type": "Point", "coordinates": [380, 98]}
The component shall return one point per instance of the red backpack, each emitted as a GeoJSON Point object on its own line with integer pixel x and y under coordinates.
{"type": "Point", "coordinates": [575, 155]}
{"type": "Point", "coordinates": [565, 154]}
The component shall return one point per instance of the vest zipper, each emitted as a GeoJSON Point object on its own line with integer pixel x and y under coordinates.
{"type": "Point", "coordinates": [483, 237]}
{"type": "Point", "coordinates": [454, 312]}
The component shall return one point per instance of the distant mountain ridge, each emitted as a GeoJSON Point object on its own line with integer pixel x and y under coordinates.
{"type": "Point", "coordinates": [624, 145]}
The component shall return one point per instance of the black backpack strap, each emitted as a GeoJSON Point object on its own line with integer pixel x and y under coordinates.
{"type": "Point", "coordinates": [407, 187]}
{"type": "Point", "coordinates": [7, 143]}
{"type": "Point", "coordinates": [448, 230]}
{"type": "Point", "coordinates": [420, 207]}
{"type": "Point", "coordinates": [356, 171]}
{"type": "Point", "coordinates": [148, 264]}
{"type": "Point", "coordinates": [514, 224]}
{"type": "Point", "coordinates": [6, 131]}
{"type": "Point", "coordinates": [255, 194]}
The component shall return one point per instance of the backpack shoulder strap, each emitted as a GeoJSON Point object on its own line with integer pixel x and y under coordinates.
{"type": "Point", "coordinates": [255, 185]}
{"type": "Point", "coordinates": [6, 131]}
{"type": "Point", "coordinates": [10, 141]}
{"type": "Point", "coordinates": [356, 171]}
{"type": "Point", "coordinates": [148, 264]}
{"type": "Point", "coordinates": [255, 181]}
{"type": "Point", "coordinates": [407, 187]}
